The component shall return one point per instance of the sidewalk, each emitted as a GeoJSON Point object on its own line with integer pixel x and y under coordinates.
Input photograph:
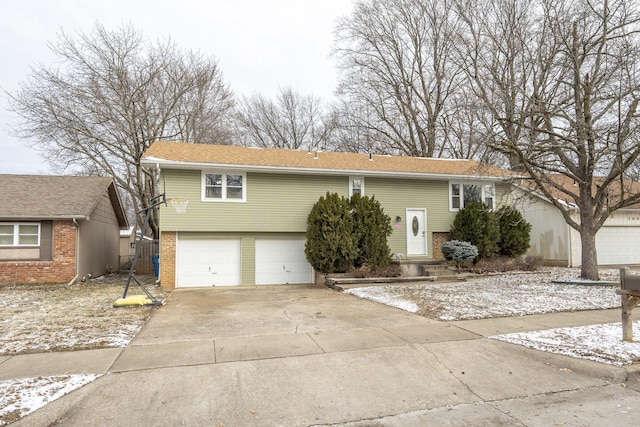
{"type": "Point", "coordinates": [315, 357]}
{"type": "Point", "coordinates": [234, 349]}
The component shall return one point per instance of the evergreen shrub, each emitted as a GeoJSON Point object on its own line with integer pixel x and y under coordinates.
{"type": "Point", "coordinates": [371, 227]}
{"type": "Point", "coordinates": [476, 224]}
{"type": "Point", "coordinates": [515, 232]}
{"type": "Point", "coordinates": [330, 246]}
{"type": "Point", "coordinates": [455, 250]}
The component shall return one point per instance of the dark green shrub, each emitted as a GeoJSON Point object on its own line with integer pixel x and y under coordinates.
{"type": "Point", "coordinates": [515, 232]}
{"type": "Point", "coordinates": [479, 226]}
{"type": "Point", "coordinates": [371, 227]}
{"type": "Point", "coordinates": [330, 246]}
{"type": "Point", "coordinates": [455, 250]}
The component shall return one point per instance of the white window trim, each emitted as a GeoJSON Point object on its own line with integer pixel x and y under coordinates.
{"type": "Point", "coordinates": [224, 173]}
{"type": "Point", "coordinates": [483, 196]}
{"type": "Point", "coordinates": [16, 235]}
{"type": "Point", "coordinates": [361, 178]}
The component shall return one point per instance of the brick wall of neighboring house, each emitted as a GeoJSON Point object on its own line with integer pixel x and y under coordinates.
{"type": "Point", "coordinates": [168, 260]}
{"type": "Point", "coordinates": [438, 240]}
{"type": "Point", "coordinates": [61, 269]}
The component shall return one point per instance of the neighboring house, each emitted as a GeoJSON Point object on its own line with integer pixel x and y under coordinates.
{"type": "Point", "coordinates": [617, 242]}
{"type": "Point", "coordinates": [127, 247]}
{"type": "Point", "coordinates": [55, 229]}
{"type": "Point", "coordinates": [247, 207]}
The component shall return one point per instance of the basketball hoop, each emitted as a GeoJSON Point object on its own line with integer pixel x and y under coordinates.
{"type": "Point", "coordinates": [180, 205]}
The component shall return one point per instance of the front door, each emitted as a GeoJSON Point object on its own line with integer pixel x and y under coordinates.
{"type": "Point", "coordinates": [416, 232]}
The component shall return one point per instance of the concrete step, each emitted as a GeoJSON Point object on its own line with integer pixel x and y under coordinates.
{"type": "Point", "coordinates": [441, 269]}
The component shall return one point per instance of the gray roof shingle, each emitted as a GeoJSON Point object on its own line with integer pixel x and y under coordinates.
{"type": "Point", "coordinates": [55, 197]}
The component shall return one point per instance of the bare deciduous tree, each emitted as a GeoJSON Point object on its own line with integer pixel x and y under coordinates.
{"type": "Point", "coordinates": [395, 58]}
{"type": "Point", "coordinates": [292, 121]}
{"type": "Point", "coordinates": [113, 95]}
{"type": "Point", "coordinates": [352, 133]}
{"type": "Point", "coordinates": [494, 50]}
{"type": "Point", "coordinates": [564, 96]}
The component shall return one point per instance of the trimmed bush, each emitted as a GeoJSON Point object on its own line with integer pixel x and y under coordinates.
{"type": "Point", "coordinates": [515, 232]}
{"type": "Point", "coordinates": [371, 227]}
{"type": "Point", "coordinates": [455, 250]}
{"type": "Point", "coordinates": [479, 226]}
{"type": "Point", "coordinates": [330, 246]}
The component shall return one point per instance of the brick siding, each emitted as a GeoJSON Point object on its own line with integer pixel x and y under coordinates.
{"type": "Point", "coordinates": [168, 260]}
{"type": "Point", "coordinates": [61, 269]}
{"type": "Point", "coordinates": [438, 240]}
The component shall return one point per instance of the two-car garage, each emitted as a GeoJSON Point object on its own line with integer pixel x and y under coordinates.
{"type": "Point", "coordinates": [219, 262]}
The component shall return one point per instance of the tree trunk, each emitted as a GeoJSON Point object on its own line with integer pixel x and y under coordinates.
{"type": "Point", "coordinates": [589, 267]}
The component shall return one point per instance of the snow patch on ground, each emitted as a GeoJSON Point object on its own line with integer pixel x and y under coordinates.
{"type": "Point", "coordinates": [600, 343]}
{"type": "Point", "coordinates": [45, 318]}
{"type": "Point", "coordinates": [520, 294]}
{"type": "Point", "coordinates": [504, 295]}
{"type": "Point", "coordinates": [21, 397]}
{"type": "Point", "coordinates": [51, 318]}
{"type": "Point", "coordinates": [381, 295]}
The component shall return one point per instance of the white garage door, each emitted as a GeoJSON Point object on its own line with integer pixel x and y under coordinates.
{"type": "Point", "coordinates": [618, 245]}
{"type": "Point", "coordinates": [280, 261]}
{"type": "Point", "coordinates": [208, 262]}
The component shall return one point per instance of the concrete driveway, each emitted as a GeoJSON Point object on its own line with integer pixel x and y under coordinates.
{"type": "Point", "coordinates": [308, 355]}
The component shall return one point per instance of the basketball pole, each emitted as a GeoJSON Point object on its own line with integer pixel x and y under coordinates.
{"type": "Point", "coordinates": [153, 203]}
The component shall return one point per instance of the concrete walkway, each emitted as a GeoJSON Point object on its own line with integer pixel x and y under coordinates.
{"type": "Point", "coordinates": [307, 355]}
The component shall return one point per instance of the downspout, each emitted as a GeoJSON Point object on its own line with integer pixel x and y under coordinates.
{"type": "Point", "coordinates": [569, 247]}
{"type": "Point", "coordinates": [72, 281]}
{"type": "Point", "coordinates": [158, 280]}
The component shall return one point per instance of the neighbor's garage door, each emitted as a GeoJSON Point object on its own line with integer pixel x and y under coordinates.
{"type": "Point", "coordinates": [208, 262]}
{"type": "Point", "coordinates": [618, 245]}
{"type": "Point", "coordinates": [280, 261]}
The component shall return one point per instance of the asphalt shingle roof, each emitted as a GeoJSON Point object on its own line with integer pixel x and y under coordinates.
{"type": "Point", "coordinates": [51, 197]}
{"type": "Point", "coordinates": [176, 153]}
{"type": "Point", "coordinates": [616, 188]}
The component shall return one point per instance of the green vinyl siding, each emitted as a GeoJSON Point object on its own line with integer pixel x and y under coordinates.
{"type": "Point", "coordinates": [280, 203]}
{"type": "Point", "coordinates": [274, 203]}
{"type": "Point", "coordinates": [248, 259]}
{"type": "Point", "coordinates": [396, 195]}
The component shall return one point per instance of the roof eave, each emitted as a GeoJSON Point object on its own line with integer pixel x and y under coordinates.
{"type": "Point", "coordinates": [42, 217]}
{"type": "Point", "coordinates": [175, 164]}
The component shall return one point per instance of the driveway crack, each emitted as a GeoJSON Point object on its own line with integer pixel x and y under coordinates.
{"type": "Point", "coordinates": [456, 376]}
{"type": "Point", "coordinates": [292, 319]}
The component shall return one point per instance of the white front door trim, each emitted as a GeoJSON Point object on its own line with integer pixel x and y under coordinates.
{"type": "Point", "coordinates": [416, 231]}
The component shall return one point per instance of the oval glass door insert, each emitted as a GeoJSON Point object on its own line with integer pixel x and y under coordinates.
{"type": "Point", "coordinates": [415, 225]}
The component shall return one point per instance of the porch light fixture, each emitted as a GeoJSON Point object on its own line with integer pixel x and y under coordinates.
{"type": "Point", "coordinates": [398, 218]}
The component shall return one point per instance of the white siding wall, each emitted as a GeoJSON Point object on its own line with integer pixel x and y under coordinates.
{"type": "Point", "coordinates": [549, 231]}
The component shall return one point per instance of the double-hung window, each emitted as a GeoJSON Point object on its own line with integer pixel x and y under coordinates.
{"type": "Point", "coordinates": [463, 193]}
{"type": "Point", "coordinates": [356, 185]}
{"type": "Point", "coordinates": [19, 234]}
{"type": "Point", "coordinates": [224, 186]}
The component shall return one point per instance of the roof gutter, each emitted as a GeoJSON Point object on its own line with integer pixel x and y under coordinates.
{"type": "Point", "coordinates": [172, 164]}
{"type": "Point", "coordinates": [45, 217]}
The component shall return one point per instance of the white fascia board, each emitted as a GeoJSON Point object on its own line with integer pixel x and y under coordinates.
{"type": "Point", "coordinates": [173, 164]}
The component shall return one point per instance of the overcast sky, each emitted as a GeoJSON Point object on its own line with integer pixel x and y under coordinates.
{"type": "Point", "coordinates": [260, 45]}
